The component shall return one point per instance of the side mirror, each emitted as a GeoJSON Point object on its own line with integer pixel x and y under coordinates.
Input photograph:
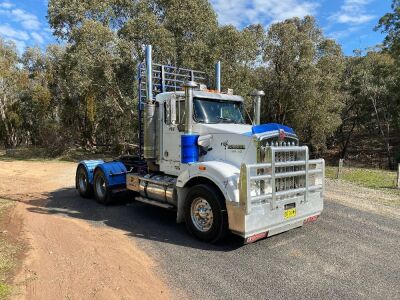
{"type": "Point", "coordinates": [204, 142]}
{"type": "Point", "coordinates": [171, 110]}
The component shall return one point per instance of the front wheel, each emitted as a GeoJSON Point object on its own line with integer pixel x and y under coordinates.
{"type": "Point", "coordinates": [101, 189]}
{"type": "Point", "coordinates": [205, 213]}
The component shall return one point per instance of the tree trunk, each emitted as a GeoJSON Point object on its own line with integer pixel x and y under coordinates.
{"type": "Point", "coordinates": [347, 142]}
{"type": "Point", "coordinates": [384, 138]}
{"type": "Point", "coordinates": [9, 140]}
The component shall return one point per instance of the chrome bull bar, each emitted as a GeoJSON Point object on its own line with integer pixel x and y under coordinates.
{"type": "Point", "coordinates": [249, 175]}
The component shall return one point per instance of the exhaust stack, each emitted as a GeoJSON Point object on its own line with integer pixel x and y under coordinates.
{"type": "Point", "coordinates": [257, 106]}
{"type": "Point", "coordinates": [218, 76]}
{"type": "Point", "coordinates": [189, 87]}
{"type": "Point", "coordinates": [149, 73]}
{"type": "Point", "coordinates": [150, 113]}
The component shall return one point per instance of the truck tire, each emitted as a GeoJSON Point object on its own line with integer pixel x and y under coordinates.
{"type": "Point", "coordinates": [102, 192]}
{"type": "Point", "coordinates": [82, 183]}
{"type": "Point", "coordinates": [205, 213]}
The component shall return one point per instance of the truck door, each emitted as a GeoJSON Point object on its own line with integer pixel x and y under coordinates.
{"type": "Point", "coordinates": [173, 132]}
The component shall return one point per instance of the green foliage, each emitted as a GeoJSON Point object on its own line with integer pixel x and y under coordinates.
{"type": "Point", "coordinates": [302, 80]}
{"type": "Point", "coordinates": [5, 291]}
{"type": "Point", "coordinates": [390, 24]}
{"type": "Point", "coordinates": [12, 82]}
{"type": "Point", "coordinates": [8, 252]}
{"type": "Point", "coordinates": [85, 92]}
{"type": "Point", "coordinates": [372, 107]}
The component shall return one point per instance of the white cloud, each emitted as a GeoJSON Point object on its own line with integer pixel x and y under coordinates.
{"type": "Point", "coordinates": [244, 12]}
{"type": "Point", "coordinates": [21, 27]}
{"type": "Point", "coordinates": [340, 34]}
{"type": "Point", "coordinates": [37, 37]}
{"type": "Point", "coordinates": [6, 4]}
{"type": "Point", "coordinates": [352, 12]}
{"type": "Point", "coordinates": [28, 20]}
{"type": "Point", "coordinates": [11, 33]}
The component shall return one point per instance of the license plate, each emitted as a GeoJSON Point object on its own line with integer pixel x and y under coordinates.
{"type": "Point", "coordinates": [289, 213]}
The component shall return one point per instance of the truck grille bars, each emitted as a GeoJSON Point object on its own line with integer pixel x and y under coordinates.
{"type": "Point", "coordinates": [164, 78]}
{"type": "Point", "coordinates": [281, 178]}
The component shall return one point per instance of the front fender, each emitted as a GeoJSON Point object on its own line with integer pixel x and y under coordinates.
{"type": "Point", "coordinates": [224, 175]}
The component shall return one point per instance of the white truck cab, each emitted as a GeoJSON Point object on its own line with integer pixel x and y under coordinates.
{"type": "Point", "coordinates": [200, 158]}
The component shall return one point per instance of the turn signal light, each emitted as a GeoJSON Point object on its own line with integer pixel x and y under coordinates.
{"type": "Point", "coordinates": [202, 168]}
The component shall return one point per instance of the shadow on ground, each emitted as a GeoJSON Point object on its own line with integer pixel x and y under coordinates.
{"type": "Point", "coordinates": [137, 219]}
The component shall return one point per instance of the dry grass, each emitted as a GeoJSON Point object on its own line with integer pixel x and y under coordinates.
{"type": "Point", "coordinates": [8, 252]}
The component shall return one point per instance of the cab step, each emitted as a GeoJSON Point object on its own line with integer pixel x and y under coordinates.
{"type": "Point", "coordinates": [155, 203]}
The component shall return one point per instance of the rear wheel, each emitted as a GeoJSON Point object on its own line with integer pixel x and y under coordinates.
{"type": "Point", "coordinates": [101, 189]}
{"type": "Point", "coordinates": [205, 213]}
{"type": "Point", "coordinates": [82, 182]}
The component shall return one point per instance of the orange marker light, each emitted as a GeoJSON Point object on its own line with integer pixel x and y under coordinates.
{"type": "Point", "coordinates": [202, 168]}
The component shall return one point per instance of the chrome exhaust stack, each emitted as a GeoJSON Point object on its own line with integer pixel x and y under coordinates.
{"type": "Point", "coordinates": [218, 76]}
{"type": "Point", "coordinates": [150, 113]}
{"type": "Point", "coordinates": [257, 106]}
{"type": "Point", "coordinates": [189, 88]}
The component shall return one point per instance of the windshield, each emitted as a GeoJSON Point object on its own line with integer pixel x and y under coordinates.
{"type": "Point", "coordinates": [214, 111]}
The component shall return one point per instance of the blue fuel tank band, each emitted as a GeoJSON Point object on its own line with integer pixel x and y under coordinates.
{"type": "Point", "coordinates": [189, 148]}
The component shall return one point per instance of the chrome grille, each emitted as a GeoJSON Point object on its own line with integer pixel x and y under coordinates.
{"type": "Point", "coordinates": [287, 183]}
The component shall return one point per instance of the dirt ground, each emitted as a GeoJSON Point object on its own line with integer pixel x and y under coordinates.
{"type": "Point", "coordinates": [66, 257]}
{"type": "Point", "coordinates": [78, 249]}
{"type": "Point", "coordinates": [366, 199]}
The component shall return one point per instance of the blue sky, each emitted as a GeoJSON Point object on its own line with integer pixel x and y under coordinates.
{"type": "Point", "coordinates": [350, 22]}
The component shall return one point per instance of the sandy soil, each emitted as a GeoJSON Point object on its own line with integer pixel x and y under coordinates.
{"type": "Point", "coordinates": [69, 258]}
{"type": "Point", "coordinates": [377, 201]}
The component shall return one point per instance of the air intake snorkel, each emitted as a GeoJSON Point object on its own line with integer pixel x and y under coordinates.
{"type": "Point", "coordinates": [189, 147]}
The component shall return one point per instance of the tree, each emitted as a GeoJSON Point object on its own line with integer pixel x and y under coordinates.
{"type": "Point", "coordinates": [105, 41]}
{"type": "Point", "coordinates": [377, 77]}
{"type": "Point", "coordinates": [37, 103]}
{"type": "Point", "coordinates": [390, 24]}
{"type": "Point", "coordinates": [302, 77]}
{"type": "Point", "coordinates": [12, 81]}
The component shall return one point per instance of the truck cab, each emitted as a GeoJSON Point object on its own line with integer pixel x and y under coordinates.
{"type": "Point", "coordinates": [199, 157]}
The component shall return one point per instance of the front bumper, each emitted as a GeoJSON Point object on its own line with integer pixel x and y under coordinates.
{"type": "Point", "coordinates": [264, 219]}
{"type": "Point", "coordinates": [265, 211]}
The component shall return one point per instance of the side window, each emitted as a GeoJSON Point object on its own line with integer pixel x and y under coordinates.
{"type": "Point", "coordinates": [179, 109]}
{"type": "Point", "coordinates": [180, 112]}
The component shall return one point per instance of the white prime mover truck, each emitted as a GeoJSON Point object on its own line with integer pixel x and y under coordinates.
{"type": "Point", "coordinates": [199, 157]}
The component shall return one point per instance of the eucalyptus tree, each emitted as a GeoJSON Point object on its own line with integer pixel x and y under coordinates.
{"type": "Point", "coordinates": [390, 24]}
{"type": "Point", "coordinates": [302, 79]}
{"type": "Point", "coordinates": [104, 44]}
{"type": "Point", "coordinates": [12, 81]}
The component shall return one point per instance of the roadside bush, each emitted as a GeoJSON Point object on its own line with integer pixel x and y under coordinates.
{"type": "Point", "coordinates": [54, 139]}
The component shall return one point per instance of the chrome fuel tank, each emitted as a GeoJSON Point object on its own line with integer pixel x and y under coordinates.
{"type": "Point", "coordinates": [153, 186]}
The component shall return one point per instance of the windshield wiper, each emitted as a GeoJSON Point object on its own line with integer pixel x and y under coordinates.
{"type": "Point", "coordinates": [226, 119]}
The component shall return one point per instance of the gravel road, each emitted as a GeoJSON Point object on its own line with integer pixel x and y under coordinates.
{"type": "Point", "coordinates": [349, 253]}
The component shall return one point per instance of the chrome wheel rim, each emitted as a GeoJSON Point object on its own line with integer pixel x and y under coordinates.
{"type": "Point", "coordinates": [202, 214]}
{"type": "Point", "coordinates": [101, 187]}
{"type": "Point", "coordinates": [82, 181]}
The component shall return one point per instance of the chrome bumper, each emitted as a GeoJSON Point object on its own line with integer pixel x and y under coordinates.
{"type": "Point", "coordinates": [262, 203]}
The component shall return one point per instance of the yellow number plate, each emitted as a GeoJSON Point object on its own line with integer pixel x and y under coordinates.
{"type": "Point", "coordinates": [290, 213]}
